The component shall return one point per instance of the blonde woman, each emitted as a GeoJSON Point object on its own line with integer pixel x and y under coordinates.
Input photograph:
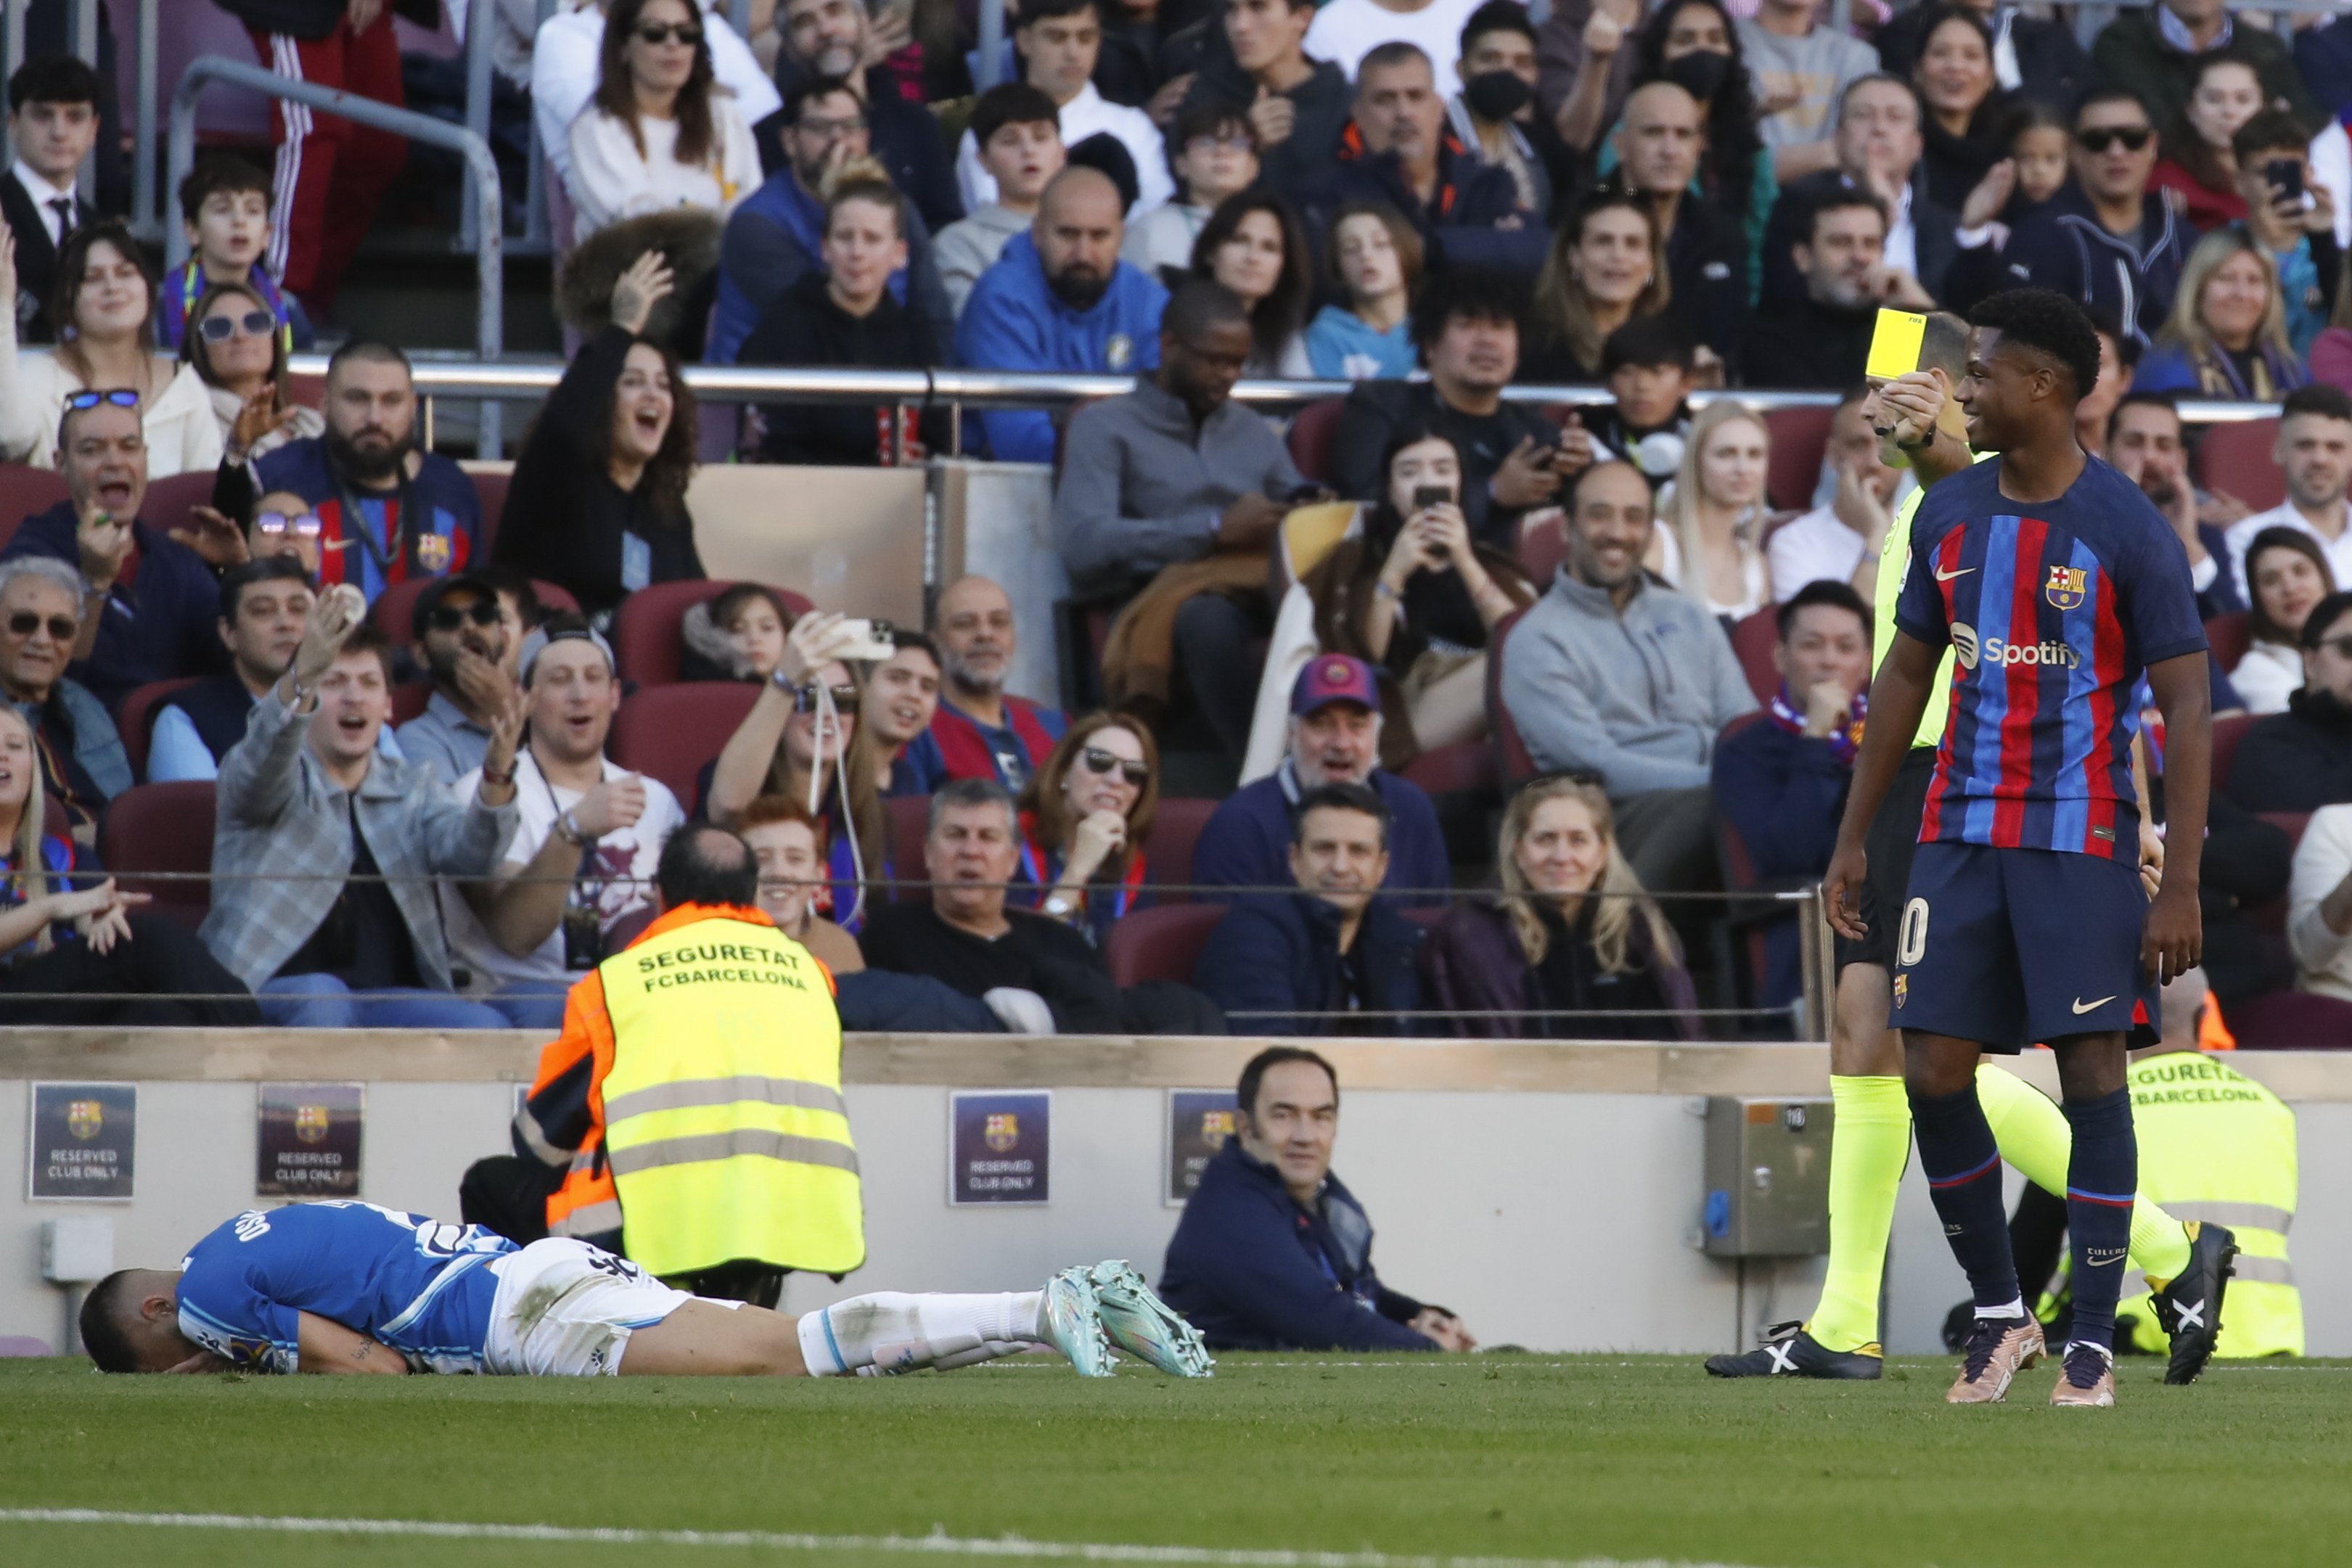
{"type": "Point", "coordinates": [1709, 540]}
{"type": "Point", "coordinates": [2227, 335]}
{"type": "Point", "coordinates": [1605, 267]}
{"type": "Point", "coordinates": [1571, 948]}
{"type": "Point", "coordinates": [82, 951]}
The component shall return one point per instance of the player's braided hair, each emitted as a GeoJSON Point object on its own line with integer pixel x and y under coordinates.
{"type": "Point", "coordinates": [103, 1312]}
{"type": "Point", "coordinates": [2046, 319]}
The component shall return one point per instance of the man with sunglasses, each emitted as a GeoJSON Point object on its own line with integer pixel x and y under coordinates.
{"type": "Point", "coordinates": [467, 635]}
{"type": "Point", "coordinates": [83, 765]}
{"type": "Point", "coordinates": [2105, 240]}
{"type": "Point", "coordinates": [148, 600]}
{"type": "Point", "coordinates": [833, 38]}
{"type": "Point", "coordinates": [2161, 49]}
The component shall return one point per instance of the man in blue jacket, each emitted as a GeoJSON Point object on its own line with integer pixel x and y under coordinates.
{"type": "Point", "coordinates": [1274, 1252]}
{"type": "Point", "coordinates": [1059, 298]}
{"type": "Point", "coordinates": [1329, 958]}
{"type": "Point", "coordinates": [1335, 738]}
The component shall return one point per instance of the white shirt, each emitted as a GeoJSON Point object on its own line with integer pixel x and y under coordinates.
{"type": "Point", "coordinates": [627, 852]}
{"type": "Point", "coordinates": [564, 72]}
{"type": "Point", "coordinates": [43, 194]}
{"type": "Point", "coordinates": [1902, 251]}
{"type": "Point", "coordinates": [2339, 550]}
{"type": "Point", "coordinates": [1345, 31]}
{"type": "Point", "coordinates": [1163, 237]}
{"type": "Point", "coordinates": [183, 435]}
{"type": "Point", "coordinates": [2323, 960]}
{"type": "Point", "coordinates": [2268, 675]}
{"type": "Point", "coordinates": [1808, 550]}
{"type": "Point", "coordinates": [2331, 165]}
{"type": "Point", "coordinates": [1088, 114]}
{"type": "Point", "coordinates": [1753, 592]}
{"type": "Point", "coordinates": [611, 180]}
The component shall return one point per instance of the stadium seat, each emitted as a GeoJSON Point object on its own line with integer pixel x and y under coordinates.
{"type": "Point", "coordinates": [1512, 762]}
{"type": "Point", "coordinates": [1464, 768]}
{"type": "Point", "coordinates": [490, 493]}
{"type": "Point", "coordinates": [2290, 1021]}
{"type": "Point", "coordinates": [171, 503]}
{"type": "Point", "coordinates": [1752, 638]}
{"type": "Point", "coordinates": [1747, 924]}
{"type": "Point", "coordinates": [648, 633]}
{"type": "Point", "coordinates": [1161, 943]}
{"type": "Point", "coordinates": [1176, 827]}
{"type": "Point", "coordinates": [2235, 459]}
{"type": "Point", "coordinates": [2226, 637]}
{"type": "Point", "coordinates": [25, 490]}
{"type": "Point", "coordinates": [161, 828]}
{"type": "Point", "coordinates": [408, 700]}
{"type": "Point", "coordinates": [1310, 438]}
{"type": "Point", "coordinates": [907, 820]}
{"type": "Point", "coordinates": [1543, 545]}
{"type": "Point", "coordinates": [669, 732]}
{"type": "Point", "coordinates": [1799, 437]}
{"type": "Point", "coordinates": [2291, 823]}
{"type": "Point", "coordinates": [135, 719]}
{"type": "Point", "coordinates": [2227, 733]}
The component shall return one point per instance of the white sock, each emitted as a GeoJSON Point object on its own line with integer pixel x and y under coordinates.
{"type": "Point", "coordinates": [989, 1350]}
{"type": "Point", "coordinates": [896, 1331]}
{"type": "Point", "coordinates": [2012, 1308]}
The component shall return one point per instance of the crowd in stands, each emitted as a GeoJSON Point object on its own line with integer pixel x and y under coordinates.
{"type": "Point", "coordinates": [408, 711]}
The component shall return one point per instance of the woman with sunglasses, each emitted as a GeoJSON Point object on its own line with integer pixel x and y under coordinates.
{"type": "Point", "coordinates": [1083, 819]}
{"type": "Point", "coordinates": [656, 135]}
{"type": "Point", "coordinates": [801, 740]}
{"type": "Point", "coordinates": [105, 308]}
{"type": "Point", "coordinates": [238, 352]}
{"type": "Point", "coordinates": [285, 524]}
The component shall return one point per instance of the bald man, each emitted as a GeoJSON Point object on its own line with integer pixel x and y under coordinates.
{"type": "Point", "coordinates": [1058, 298]}
{"type": "Point", "coordinates": [1659, 144]}
{"type": "Point", "coordinates": [979, 731]}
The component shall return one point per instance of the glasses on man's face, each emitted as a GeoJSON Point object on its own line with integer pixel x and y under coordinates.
{"type": "Point", "coordinates": [1103, 762]}
{"type": "Point", "coordinates": [302, 525]}
{"type": "Point", "coordinates": [449, 617]}
{"type": "Point", "coordinates": [25, 623]}
{"type": "Point", "coordinates": [118, 397]}
{"type": "Point", "coordinates": [253, 324]}
{"type": "Point", "coordinates": [831, 130]}
{"type": "Point", "coordinates": [804, 698]}
{"type": "Point", "coordinates": [677, 33]}
{"type": "Point", "coordinates": [2099, 138]}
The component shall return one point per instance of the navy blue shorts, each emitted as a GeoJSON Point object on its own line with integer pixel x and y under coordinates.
{"type": "Point", "coordinates": [2010, 947]}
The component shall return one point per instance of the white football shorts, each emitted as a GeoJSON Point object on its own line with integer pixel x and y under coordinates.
{"type": "Point", "coordinates": [566, 1308]}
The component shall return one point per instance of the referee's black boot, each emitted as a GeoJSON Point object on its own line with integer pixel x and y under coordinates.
{"type": "Point", "coordinates": [2190, 1307]}
{"type": "Point", "coordinates": [1787, 1350]}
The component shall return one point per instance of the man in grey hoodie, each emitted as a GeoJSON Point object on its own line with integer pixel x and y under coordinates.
{"type": "Point", "coordinates": [1613, 674]}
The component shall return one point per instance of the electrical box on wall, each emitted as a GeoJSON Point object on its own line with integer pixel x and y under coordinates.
{"type": "Point", "coordinates": [1768, 1178]}
{"type": "Point", "coordinates": [78, 1250]}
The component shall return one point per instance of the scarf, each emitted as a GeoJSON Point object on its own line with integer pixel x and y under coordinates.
{"type": "Point", "coordinates": [1844, 740]}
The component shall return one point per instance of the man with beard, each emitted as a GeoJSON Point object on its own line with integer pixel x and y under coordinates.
{"type": "Point", "coordinates": [147, 600]}
{"type": "Point", "coordinates": [1822, 340]}
{"type": "Point", "coordinates": [979, 731]}
{"type": "Point", "coordinates": [1059, 298]}
{"type": "Point", "coordinates": [389, 512]}
{"type": "Point", "coordinates": [467, 635]}
{"type": "Point", "coordinates": [830, 38]}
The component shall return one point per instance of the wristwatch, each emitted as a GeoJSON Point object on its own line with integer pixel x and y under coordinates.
{"type": "Point", "coordinates": [567, 827]}
{"type": "Point", "coordinates": [1060, 906]}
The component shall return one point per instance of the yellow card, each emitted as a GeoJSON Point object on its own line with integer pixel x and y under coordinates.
{"type": "Point", "coordinates": [1895, 344]}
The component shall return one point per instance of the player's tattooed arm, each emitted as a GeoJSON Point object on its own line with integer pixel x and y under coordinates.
{"type": "Point", "coordinates": [328, 1347]}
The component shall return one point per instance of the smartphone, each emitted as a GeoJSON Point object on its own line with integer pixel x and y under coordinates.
{"type": "Point", "coordinates": [2285, 176]}
{"type": "Point", "coordinates": [869, 642]}
{"type": "Point", "coordinates": [1427, 495]}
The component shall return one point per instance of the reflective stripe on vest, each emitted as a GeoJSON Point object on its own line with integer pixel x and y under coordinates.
{"type": "Point", "coordinates": [2236, 1216]}
{"type": "Point", "coordinates": [726, 1133]}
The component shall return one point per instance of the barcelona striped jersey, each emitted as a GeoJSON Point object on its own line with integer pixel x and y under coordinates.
{"type": "Point", "coordinates": [2052, 612]}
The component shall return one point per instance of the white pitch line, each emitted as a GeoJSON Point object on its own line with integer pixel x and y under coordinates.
{"type": "Point", "coordinates": [939, 1544]}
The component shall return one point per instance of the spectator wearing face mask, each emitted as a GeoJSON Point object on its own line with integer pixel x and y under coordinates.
{"type": "Point", "coordinates": [1494, 117]}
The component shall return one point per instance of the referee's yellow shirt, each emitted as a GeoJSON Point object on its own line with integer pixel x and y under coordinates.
{"type": "Point", "coordinates": [1894, 562]}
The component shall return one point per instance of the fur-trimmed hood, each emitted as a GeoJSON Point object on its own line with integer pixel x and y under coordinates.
{"type": "Point", "coordinates": [687, 238]}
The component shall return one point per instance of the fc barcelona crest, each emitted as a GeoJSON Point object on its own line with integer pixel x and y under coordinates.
{"type": "Point", "coordinates": [1004, 1132]}
{"type": "Point", "coordinates": [310, 1123]}
{"type": "Point", "coordinates": [1216, 1127]}
{"type": "Point", "coordinates": [84, 1118]}
{"type": "Point", "coordinates": [2067, 586]}
{"type": "Point", "coordinates": [434, 552]}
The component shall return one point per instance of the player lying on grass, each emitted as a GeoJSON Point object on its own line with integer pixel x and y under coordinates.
{"type": "Point", "coordinates": [354, 1288]}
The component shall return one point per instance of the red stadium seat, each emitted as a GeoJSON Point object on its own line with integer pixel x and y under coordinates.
{"type": "Point", "coordinates": [490, 491]}
{"type": "Point", "coordinates": [2227, 637]}
{"type": "Point", "coordinates": [1799, 437]}
{"type": "Point", "coordinates": [1511, 759]}
{"type": "Point", "coordinates": [1749, 925]}
{"type": "Point", "coordinates": [1310, 438]}
{"type": "Point", "coordinates": [161, 828]}
{"type": "Point", "coordinates": [1162, 943]}
{"type": "Point", "coordinates": [408, 700]}
{"type": "Point", "coordinates": [1175, 828]}
{"type": "Point", "coordinates": [669, 732]}
{"type": "Point", "coordinates": [1466, 767]}
{"type": "Point", "coordinates": [171, 503]}
{"type": "Point", "coordinates": [25, 491]}
{"type": "Point", "coordinates": [2227, 733]}
{"type": "Point", "coordinates": [1543, 546]}
{"type": "Point", "coordinates": [1752, 639]}
{"type": "Point", "coordinates": [135, 719]}
{"type": "Point", "coordinates": [2291, 1020]}
{"type": "Point", "coordinates": [2235, 459]}
{"type": "Point", "coordinates": [907, 819]}
{"type": "Point", "coordinates": [648, 632]}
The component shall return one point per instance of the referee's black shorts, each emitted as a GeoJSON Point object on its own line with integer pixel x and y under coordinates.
{"type": "Point", "coordinates": [1894, 836]}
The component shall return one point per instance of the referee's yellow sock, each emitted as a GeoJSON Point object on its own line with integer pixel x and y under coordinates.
{"type": "Point", "coordinates": [2034, 1137]}
{"type": "Point", "coordinates": [1867, 1152]}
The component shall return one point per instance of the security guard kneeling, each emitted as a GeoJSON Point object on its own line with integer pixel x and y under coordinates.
{"type": "Point", "coordinates": [692, 1108]}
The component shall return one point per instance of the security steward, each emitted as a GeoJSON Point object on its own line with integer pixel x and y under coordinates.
{"type": "Point", "coordinates": [690, 1117]}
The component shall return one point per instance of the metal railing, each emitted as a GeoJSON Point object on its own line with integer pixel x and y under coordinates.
{"type": "Point", "coordinates": [490, 254]}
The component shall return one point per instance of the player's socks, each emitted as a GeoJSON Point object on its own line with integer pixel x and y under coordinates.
{"type": "Point", "coordinates": [1962, 1165]}
{"type": "Point", "coordinates": [896, 1331]}
{"type": "Point", "coordinates": [1867, 1149]}
{"type": "Point", "coordinates": [2034, 1137]}
{"type": "Point", "coordinates": [2100, 1176]}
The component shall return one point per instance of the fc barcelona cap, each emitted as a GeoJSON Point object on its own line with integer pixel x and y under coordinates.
{"type": "Point", "coordinates": [1334, 678]}
{"type": "Point", "coordinates": [562, 629]}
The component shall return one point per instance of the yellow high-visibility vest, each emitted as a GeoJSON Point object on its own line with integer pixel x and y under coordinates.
{"type": "Point", "coordinates": [2217, 1146]}
{"type": "Point", "coordinates": [725, 1128]}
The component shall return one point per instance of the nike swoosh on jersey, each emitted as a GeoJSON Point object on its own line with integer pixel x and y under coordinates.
{"type": "Point", "coordinates": [1943, 576]}
{"type": "Point", "coordinates": [2082, 1006]}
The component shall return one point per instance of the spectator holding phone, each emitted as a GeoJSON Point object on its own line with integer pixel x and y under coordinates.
{"type": "Point", "coordinates": [2293, 217]}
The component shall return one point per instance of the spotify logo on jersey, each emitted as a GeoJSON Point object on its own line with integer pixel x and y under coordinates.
{"type": "Point", "coordinates": [1995, 651]}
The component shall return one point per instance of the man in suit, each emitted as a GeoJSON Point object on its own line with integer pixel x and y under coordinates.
{"type": "Point", "coordinates": [1878, 151]}
{"type": "Point", "coordinates": [52, 126]}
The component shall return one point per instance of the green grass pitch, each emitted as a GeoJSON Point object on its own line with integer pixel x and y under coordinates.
{"type": "Point", "coordinates": [1491, 1457]}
